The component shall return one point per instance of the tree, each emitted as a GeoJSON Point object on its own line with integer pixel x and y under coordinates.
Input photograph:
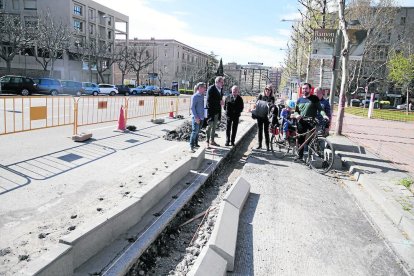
{"type": "Point", "coordinates": [14, 38]}
{"type": "Point", "coordinates": [140, 59]}
{"type": "Point", "coordinates": [345, 59]}
{"type": "Point", "coordinates": [401, 70]}
{"type": "Point", "coordinates": [100, 53]}
{"type": "Point", "coordinates": [220, 70]}
{"type": "Point", "coordinates": [52, 38]}
{"type": "Point", "coordinates": [123, 61]}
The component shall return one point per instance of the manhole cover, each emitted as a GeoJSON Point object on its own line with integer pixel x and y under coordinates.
{"type": "Point", "coordinates": [70, 157]}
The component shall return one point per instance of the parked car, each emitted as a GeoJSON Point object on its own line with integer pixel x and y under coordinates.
{"type": "Point", "coordinates": [90, 88]}
{"type": "Point", "coordinates": [404, 106]}
{"type": "Point", "coordinates": [72, 87]}
{"type": "Point", "coordinates": [169, 92]}
{"type": "Point", "coordinates": [123, 89]}
{"type": "Point", "coordinates": [17, 85]}
{"type": "Point", "coordinates": [152, 90]}
{"type": "Point", "coordinates": [365, 103]}
{"type": "Point", "coordinates": [108, 89]}
{"type": "Point", "coordinates": [139, 90]}
{"type": "Point", "coordinates": [355, 102]}
{"type": "Point", "coordinates": [48, 86]}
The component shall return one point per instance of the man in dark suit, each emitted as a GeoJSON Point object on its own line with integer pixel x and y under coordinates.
{"type": "Point", "coordinates": [214, 103]}
{"type": "Point", "coordinates": [233, 105]}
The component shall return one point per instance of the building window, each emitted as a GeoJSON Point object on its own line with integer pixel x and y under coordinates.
{"type": "Point", "coordinates": [109, 35]}
{"type": "Point", "coordinates": [1, 4]}
{"type": "Point", "coordinates": [91, 14]}
{"type": "Point", "coordinates": [16, 5]}
{"type": "Point", "coordinates": [402, 22]}
{"type": "Point", "coordinates": [78, 25]}
{"type": "Point", "coordinates": [30, 4]}
{"type": "Point", "coordinates": [77, 10]}
{"type": "Point", "coordinates": [91, 29]}
{"type": "Point", "coordinates": [109, 20]}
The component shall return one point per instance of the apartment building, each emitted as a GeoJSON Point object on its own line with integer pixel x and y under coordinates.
{"type": "Point", "coordinates": [89, 21]}
{"type": "Point", "coordinates": [176, 64]}
{"type": "Point", "coordinates": [253, 77]}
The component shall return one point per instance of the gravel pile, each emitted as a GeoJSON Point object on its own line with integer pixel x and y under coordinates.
{"type": "Point", "coordinates": [183, 132]}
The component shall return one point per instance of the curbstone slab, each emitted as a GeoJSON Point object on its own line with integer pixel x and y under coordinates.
{"type": "Point", "coordinates": [208, 263]}
{"type": "Point", "coordinates": [238, 193]}
{"type": "Point", "coordinates": [223, 240]}
{"type": "Point", "coordinates": [57, 261]}
{"type": "Point", "coordinates": [197, 158]}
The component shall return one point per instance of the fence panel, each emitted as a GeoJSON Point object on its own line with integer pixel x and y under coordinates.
{"type": "Point", "coordinates": [94, 110]}
{"type": "Point", "coordinates": [140, 106]}
{"type": "Point", "coordinates": [29, 113]}
{"type": "Point", "coordinates": [383, 114]}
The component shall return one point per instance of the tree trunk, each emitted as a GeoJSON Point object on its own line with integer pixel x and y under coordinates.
{"type": "Point", "coordinates": [8, 65]}
{"type": "Point", "coordinates": [345, 60]}
{"type": "Point", "coordinates": [407, 102]}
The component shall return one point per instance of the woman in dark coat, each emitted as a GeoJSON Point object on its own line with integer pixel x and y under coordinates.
{"type": "Point", "coordinates": [233, 106]}
{"type": "Point", "coordinates": [263, 122]}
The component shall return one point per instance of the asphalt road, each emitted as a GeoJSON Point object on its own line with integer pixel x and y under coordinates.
{"type": "Point", "coordinates": [298, 222]}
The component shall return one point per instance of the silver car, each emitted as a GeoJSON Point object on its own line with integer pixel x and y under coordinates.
{"type": "Point", "coordinates": [108, 89]}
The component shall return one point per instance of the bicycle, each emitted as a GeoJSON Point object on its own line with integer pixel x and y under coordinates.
{"type": "Point", "coordinates": [321, 153]}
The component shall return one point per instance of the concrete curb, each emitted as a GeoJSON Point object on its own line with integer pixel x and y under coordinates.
{"type": "Point", "coordinates": [209, 263]}
{"type": "Point", "coordinates": [223, 240]}
{"type": "Point", "coordinates": [393, 210]}
{"type": "Point", "coordinates": [84, 242]}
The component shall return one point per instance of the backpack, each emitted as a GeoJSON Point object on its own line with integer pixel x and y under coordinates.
{"type": "Point", "coordinates": [261, 110]}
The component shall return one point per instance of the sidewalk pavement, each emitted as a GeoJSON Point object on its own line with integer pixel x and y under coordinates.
{"type": "Point", "coordinates": [391, 140]}
{"type": "Point", "coordinates": [297, 222]}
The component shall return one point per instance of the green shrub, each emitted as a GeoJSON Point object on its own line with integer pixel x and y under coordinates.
{"type": "Point", "coordinates": [406, 182]}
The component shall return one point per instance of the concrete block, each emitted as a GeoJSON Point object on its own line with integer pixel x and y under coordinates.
{"type": "Point", "coordinates": [208, 263]}
{"type": "Point", "coordinates": [197, 158]}
{"type": "Point", "coordinates": [158, 121]}
{"type": "Point", "coordinates": [337, 164]}
{"type": "Point", "coordinates": [57, 261]}
{"type": "Point", "coordinates": [238, 193]}
{"type": "Point", "coordinates": [82, 137]}
{"type": "Point", "coordinates": [179, 170]}
{"type": "Point", "coordinates": [224, 237]}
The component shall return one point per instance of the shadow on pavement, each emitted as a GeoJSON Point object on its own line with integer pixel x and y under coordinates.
{"type": "Point", "coordinates": [17, 175]}
{"type": "Point", "coordinates": [244, 261]}
{"type": "Point", "coordinates": [349, 148]}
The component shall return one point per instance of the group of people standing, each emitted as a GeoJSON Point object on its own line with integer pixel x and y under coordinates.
{"type": "Point", "coordinates": [208, 108]}
{"type": "Point", "coordinates": [314, 106]}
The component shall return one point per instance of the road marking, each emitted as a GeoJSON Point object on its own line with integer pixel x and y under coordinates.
{"type": "Point", "coordinates": [132, 166]}
{"type": "Point", "coordinates": [168, 149]}
{"type": "Point", "coordinates": [99, 128]}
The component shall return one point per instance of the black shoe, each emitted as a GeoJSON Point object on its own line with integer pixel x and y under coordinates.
{"type": "Point", "coordinates": [227, 144]}
{"type": "Point", "coordinates": [196, 145]}
{"type": "Point", "coordinates": [298, 159]}
{"type": "Point", "coordinates": [267, 149]}
{"type": "Point", "coordinates": [232, 144]}
{"type": "Point", "coordinates": [259, 147]}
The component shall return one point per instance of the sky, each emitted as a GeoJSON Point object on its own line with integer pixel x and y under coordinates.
{"type": "Point", "coordinates": [234, 30]}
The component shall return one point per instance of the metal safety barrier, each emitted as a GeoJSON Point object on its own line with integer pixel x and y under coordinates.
{"type": "Point", "coordinates": [21, 114]}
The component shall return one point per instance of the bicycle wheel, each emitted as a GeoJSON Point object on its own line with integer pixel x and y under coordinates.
{"type": "Point", "coordinates": [279, 147]}
{"type": "Point", "coordinates": [320, 155]}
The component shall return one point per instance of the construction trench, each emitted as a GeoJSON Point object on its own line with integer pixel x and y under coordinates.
{"type": "Point", "coordinates": [179, 235]}
{"type": "Point", "coordinates": [176, 249]}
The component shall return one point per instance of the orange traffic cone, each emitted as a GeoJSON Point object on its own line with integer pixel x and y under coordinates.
{"type": "Point", "coordinates": [121, 120]}
{"type": "Point", "coordinates": [171, 115]}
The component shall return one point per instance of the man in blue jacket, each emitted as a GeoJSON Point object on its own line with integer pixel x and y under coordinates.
{"type": "Point", "coordinates": [214, 104]}
{"type": "Point", "coordinates": [197, 110]}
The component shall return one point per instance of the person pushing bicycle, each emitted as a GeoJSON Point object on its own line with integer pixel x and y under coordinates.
{"type": "Point", "coordinates": [306, 106]}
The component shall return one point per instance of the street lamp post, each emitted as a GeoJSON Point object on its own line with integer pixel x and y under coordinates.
{"type": "Point", "coordinates": [153, 60]}
{"type": "Point", "coordinates": [25, 64]}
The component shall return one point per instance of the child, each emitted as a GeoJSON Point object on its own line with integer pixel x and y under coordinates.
{"type": "Point", "coordinates": [285, 116]}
